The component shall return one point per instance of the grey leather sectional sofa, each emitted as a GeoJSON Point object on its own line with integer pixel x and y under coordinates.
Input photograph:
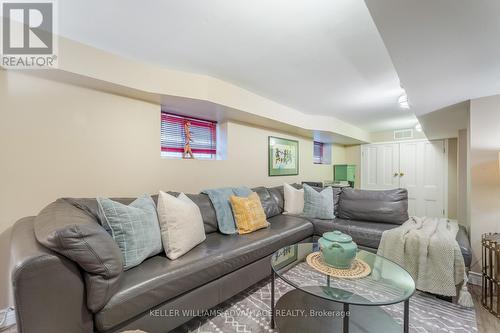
{"type": "Point", "coordinates": [67, 278]}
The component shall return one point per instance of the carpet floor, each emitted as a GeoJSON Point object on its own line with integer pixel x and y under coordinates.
{"type": "Point", "coordinates": [249, 311]}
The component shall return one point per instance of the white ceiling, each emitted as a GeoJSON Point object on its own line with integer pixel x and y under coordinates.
{"type": "Point", "coordinates": [317, 56]}
{"type": "Point", "coordinates": [445, 51]}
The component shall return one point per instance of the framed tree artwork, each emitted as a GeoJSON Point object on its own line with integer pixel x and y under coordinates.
{"type": "Point", "coordinates": [283, 155]}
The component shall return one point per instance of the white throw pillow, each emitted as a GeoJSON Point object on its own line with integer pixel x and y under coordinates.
{"type": "Point", "coordinates": [181, 224]}
{"type": "Point", "coordinates": [294, 200]}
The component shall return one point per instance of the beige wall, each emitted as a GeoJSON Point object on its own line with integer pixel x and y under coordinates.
{"type": "Point", "coordinates": [353, 156]}
{"type": "Point", "coordinates": [62, 140]}
{"type": "Point", "coordinates": [485, 173]}
{"type": "Point", "coordinates": [338, 154]}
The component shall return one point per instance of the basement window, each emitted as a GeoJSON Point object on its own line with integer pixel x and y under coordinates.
{"type": "Point", "coordinates": [318, 152]}
{"type": "Point", "coordinates": [322, 153]}
{"type": "Point", "coordinates": [203, 134]}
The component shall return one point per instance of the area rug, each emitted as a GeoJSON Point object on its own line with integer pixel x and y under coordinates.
{"type": "Point", "coordinates": [249, 311]}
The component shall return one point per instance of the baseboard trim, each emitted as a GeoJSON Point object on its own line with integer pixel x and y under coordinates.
{"type": "Point", "coordinates": [475, 278]}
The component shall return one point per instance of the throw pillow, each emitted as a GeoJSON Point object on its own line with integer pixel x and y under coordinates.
{"type": "Point", "coordinates": [318, 205]}
{"type": "Point", "coordinates": [294, 200]}
{"type": "Point", "coordinates": [220, 201]}
{"type": "Point", "coordinates": [181, 224]}
{"type": "Point", "coordinates": [134, 228]}
{"type": "Point", "coordinates": [248, 213]}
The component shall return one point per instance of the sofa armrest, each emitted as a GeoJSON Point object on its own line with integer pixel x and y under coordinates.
{"type": "Point", "coordinates": [48, 289]}
{"type": "Point", "coordinates": [464, 243]}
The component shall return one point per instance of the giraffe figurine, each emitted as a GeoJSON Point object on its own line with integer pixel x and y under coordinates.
{"type": "Point", "coordinates": [188, 153]}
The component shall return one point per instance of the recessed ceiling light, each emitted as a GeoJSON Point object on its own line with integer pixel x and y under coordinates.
{"type": "Point", "coordinates": [403, 101]}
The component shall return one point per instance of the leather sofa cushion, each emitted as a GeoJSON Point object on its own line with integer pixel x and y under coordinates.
{"type": "Point", "coordinates": [74, 233]}
{"type": "Point", "coordinates": [278, 196]}
{"type": "Point", "coordinates": [270, 206]}
{"type": "Point", "coordinates": [364, 233]}
{"type": "Point", "coordinates": [159, 279]}
{"type": "Point", "coordinates": [389, 206]}
{"type": "Point", "coordinates": [367, 234]}
{"type": "Point", "coordinates": [336, 198]}
{"type": "Point", "coordinates": [322, 226]}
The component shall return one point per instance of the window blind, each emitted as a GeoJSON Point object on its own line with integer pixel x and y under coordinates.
{"type": "Point", "coordinates": [203, 136]}
{"type": "Point", "coordinates": [318, 152]}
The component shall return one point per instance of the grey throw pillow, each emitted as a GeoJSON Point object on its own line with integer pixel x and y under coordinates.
{"type": "Point", "coordinates": [318, 205]}
{"type": "Point", "coordinates": [134, 228]}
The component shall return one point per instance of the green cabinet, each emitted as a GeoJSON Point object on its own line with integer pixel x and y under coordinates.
{"type": "Point", "coordinates": [344, 172]}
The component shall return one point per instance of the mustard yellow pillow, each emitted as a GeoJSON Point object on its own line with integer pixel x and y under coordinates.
{"type": "Point", "coordinates": [248, 213]}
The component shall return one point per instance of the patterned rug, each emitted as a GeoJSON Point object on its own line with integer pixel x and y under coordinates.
{"type": "Point", "coordinates": [249, 311]}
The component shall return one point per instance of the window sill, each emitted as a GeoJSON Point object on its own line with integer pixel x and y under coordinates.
{"type": "Point", "coordinates": [190, 159]}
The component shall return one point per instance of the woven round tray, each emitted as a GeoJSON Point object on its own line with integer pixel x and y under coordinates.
{"type": "Point", "coordinates": [359, 268]}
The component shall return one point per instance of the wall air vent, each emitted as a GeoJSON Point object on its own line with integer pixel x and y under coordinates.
{"type": "Point", "coordinates": [403, 134]}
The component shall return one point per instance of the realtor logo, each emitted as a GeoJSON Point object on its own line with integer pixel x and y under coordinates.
{"type": "Point", "coordinates": [28, 34]}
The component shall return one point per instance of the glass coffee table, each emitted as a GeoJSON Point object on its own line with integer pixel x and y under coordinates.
{"type": "Point", "coordinates": [321, 303]}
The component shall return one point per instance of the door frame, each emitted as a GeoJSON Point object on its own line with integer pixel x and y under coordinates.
{"type": "Point", "coordinates": [445, 171]}
{"type": "Point", "coordinates": [446, 167]}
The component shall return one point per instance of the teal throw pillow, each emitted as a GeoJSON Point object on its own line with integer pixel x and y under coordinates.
{"type": "Point", "coordinates": [134, 228]}
{"type": "Point", "coordinates": [318, 205]}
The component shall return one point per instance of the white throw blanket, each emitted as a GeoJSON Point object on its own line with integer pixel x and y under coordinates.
{"type": "Point", "coordinates": [427, 249]}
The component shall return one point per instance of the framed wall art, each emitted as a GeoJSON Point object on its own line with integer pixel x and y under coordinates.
{"type": "Point", "coordinates": [283, 157]}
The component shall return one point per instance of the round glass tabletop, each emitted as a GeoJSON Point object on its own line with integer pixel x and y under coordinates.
{"type": "Point", "coordinates": [388, 283]}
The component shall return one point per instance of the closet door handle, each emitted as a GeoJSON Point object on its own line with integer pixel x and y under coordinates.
{"type": "Point", "coordinates": [395, 174]}
{"type": "Point", "coordinates": [401, 174]}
